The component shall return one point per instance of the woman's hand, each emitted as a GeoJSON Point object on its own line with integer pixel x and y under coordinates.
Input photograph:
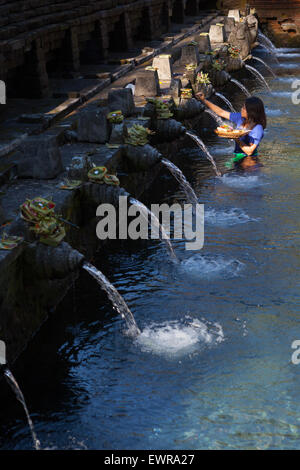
{"type": "Point", "coordinates": [200, 96]}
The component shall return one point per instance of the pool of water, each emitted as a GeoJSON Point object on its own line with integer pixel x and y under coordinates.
{"type": "Point", "coordinates": [212, 367]}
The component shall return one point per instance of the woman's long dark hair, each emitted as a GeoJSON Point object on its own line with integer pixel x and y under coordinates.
{"type": "Point", "coordinates": [255, 111]}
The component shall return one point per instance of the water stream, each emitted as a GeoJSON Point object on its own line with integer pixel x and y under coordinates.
{"type": "Point", "coordinates": [217, 118]}
{"type": "Point", "coordinates": [258, 75]}
{"type": "Point", "coordinates": [20, 397]}
{"type": "Point", "coordinates": [264, 63]}
{"type": "Point", "coordinates": [115, 297]}
{"type": "Point", "coordinates": [179, 176]}
{"type": "Point", "coordinates": [241, 86]}
{"type": "Point", "coordinates": [229, 104]}
{"type": "Point", "coordinates": [151, 217]}
{"type": "Point", "coordinates": [266, 40]}
{"type": "Point", "coordinates": [203, 147]}
{"type": "Point", "coordinates": [268, 45]}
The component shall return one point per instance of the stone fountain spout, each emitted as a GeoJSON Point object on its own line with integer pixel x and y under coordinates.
{"type": "Point", "coordinates": [142, 157]}
{"type": "Point", "coordinates": [47, 262]}
{"type": "Point", "coordinates": [167, 130]}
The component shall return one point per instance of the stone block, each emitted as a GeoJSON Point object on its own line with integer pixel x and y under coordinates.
{"type": "Point", "coordinates": [39, 157]}
{"type": "Point", "coordinates": [216, 33]}
{"type": "Point", "coordinates": [117, 134]}
{"type": "Point", "coordinates": [93, 126]}
{"type": "Point", "coordinates": [147, 83]}
{"type": "Point", "coordinates": [229, 24]}
{"type": "Point", "coordinates": [121, 99]}
{"type": "Point", "coordinates": [163, 65]}
{"type": "Point", "coordinates": [203, 43]}
{"type": "Point", "coordinates": [79, 168]}
{"type": "Point", "coordinates": [240, 37]}
{"type": "Point", "coordinates": [234, 14]}
{"type": "Point", "coordinates": [190, 55]}
{"type": "Point", "coordinates": [175, 87]}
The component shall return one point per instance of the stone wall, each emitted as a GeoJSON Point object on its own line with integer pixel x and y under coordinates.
{"type": "Point", "coordinates": [280, 20]}
{"type": "Point", "coordinates": [42, 36]}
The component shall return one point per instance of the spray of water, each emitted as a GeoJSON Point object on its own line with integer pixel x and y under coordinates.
{"type": "Point", "coordinates": [203, 147]}
{"type": "Point", "coordinates": [225, 101]}
{"type": "Point", "coordinates": [241, 86]}
{"type": "Point", "coordinates": [173, 339]}
{"type": "Point", "coordinates": [257, 74]}
{"type": "Point", "coordinates": [20, 397]}
{"type": "Point", "coordinates": [266, 65]}
{"type": "Point", "coordinates": [273, 54]}
{"type": "Point", "coordinates": [217, 118]}
{"type": "Point", "coordinates": [266, 40]}
{"type": "Point", "coordinates": [145, 212]}
{"type": "Point", "coordinates": [115, 297]}
{"type": "Point", "coordinates": [184, 184]}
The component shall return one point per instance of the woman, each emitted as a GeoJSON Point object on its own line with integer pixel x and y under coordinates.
{"type": "Point", "coordinates": [252, 116]}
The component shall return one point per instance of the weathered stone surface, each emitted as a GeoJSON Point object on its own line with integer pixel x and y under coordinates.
{"type": "Point", "coordinates": [219, 78]}
{"type": "Point", "coordinates": [189, 108]}
{"type": "Point", "coordinates": [49, 262]}
{"type": "Point", "coordinates": [143, 157]}
{"type": "Point", "coordinates": [121, 99]}
{"type": "Point", "coordinates": [80, 165]}
{"type": "Point", "coordinates": [167, 130]}
{"type": "Point", "coordinates": [234, 64]}
{"type": "Point", "coordinates": [117, 134]}
{"type": "Point", "coordinates": [234, 14]}
{"type": "Point", "coordinates": [216, 33]}
{"type": "Point", "coordinates": [206, 89]}
{"type": "Point", "coordinates": [189, 55]}
{"type": "Point", "coordinates": [229, 24]}
{"type": "Point", "coordinates": [175, 87]}
{"type": "Point", "coordinates": [93, 126]}
{"type": "Point", "coordinates": [147, 84]}
{"type": "Point", "coordinates": [203, 43]}
{"type": "Point", "coordinates": [240, 37]}
{"type": "Point", "coordinates": [70, 136]}
{"type": "Point", "coordinates": [289, 27]}
{"type": "Point", "coordinates": [39, 157]}
{"type": "Point", "coordinates": [190, 75]}
{"type": "Point", "coordinates": [252, 23]}
{"type": "Point", "coordinates": [163, 65]}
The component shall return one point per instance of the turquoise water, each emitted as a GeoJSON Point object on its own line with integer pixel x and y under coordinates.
{"type": "Point", "coordinates": [212, 368]}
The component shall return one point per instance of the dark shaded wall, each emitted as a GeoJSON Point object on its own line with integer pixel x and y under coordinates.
{"type": "Point", "coordinates": [38, 37]}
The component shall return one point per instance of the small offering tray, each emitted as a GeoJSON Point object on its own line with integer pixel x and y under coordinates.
{"type": "Point", "coordinates": [229, 133]}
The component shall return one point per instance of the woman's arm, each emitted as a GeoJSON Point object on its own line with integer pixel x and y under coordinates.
{"type": "Point", "coordinates": [219, 111]}
{"type": "Point", "coordinates": [247, 149]}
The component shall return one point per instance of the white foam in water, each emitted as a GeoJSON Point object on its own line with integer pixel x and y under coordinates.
{"type": "Point", "coordinates": [242, 182]}
{"type": "Point", "coordinates": [275, 112]}
{"type": "Point", "coordinates": [289, 65]}
{"type": "Point", "coordinates": [283, 94]}
{"type": "Point", "coordinates": [227, 217]}
{"type": "Point", "coordinates": [287, 49]}
{"type": "Point", "coordinates": [285, 79]}
{"type": "Point", "coordinates": [209, 267]}
{"type": "Point", "coordinates": [179, 337]}
{"type": "Point", "coordinates": [288, 54]}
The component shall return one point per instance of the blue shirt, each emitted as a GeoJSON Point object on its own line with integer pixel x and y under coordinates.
{"type": "Point", "coordinates": [254, 136]}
